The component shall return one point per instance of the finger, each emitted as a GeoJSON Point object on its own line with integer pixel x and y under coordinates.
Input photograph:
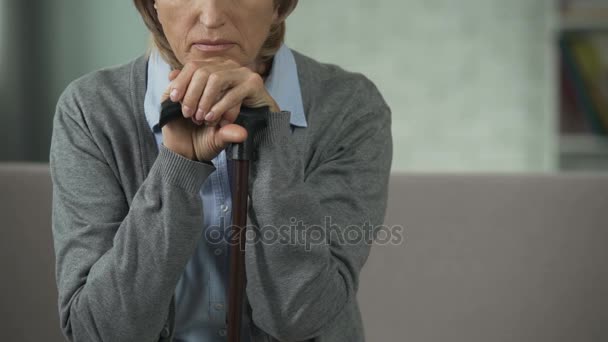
{"type": "Point", "coordinates": [173, 74]}
{"type": "Point", "coordinates": [229, 106]}
{"type": "Point", "coordinates": [218, 83]}
{"type": "Point", "coordinates": [231, 115]}
{"type": "Point", "coordinates": [181, 82]}
{"type": "Point", "coordinates": [230, 134]}
{"type": "Point", "coordinates": [210, 141]}
{"type": "Point", "coordinates": [194, 92]}
{"type": "Point", "coordinates": [197, 122]}
{"type": "Point", "coordinates": [179, 85]}
{"type": "Point", "coordinates": [165, 95]}
{"type": "Point", "coordinates": [201, 114]}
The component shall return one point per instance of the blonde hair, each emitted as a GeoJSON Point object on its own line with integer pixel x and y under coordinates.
{"type": "Point", "coordinates": [270, 47]}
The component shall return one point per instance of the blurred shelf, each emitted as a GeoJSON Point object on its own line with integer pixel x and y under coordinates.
{"type": "Point", "coordinates": [584, 23]}
{"type": "Point", "coordinates": [584, 145]}
{"type": "Point", "coordinates": [583, 153]}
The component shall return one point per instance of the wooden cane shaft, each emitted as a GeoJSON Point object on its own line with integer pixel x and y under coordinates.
{"type": "Point", "coordinates": [236, 287]}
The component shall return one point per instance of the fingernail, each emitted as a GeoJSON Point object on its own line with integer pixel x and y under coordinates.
{"type": "Point", "coordinates": [199, 114]}
{"type": "Point", "coordinates": [186, 110]}
{"type": "Point", "coordinates": [173, 95]}
{"type": "Point", "coordinates": [210, 116]}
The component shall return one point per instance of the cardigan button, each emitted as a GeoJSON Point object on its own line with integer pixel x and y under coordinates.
{"type": "Point", "coordinates": [165, 332]}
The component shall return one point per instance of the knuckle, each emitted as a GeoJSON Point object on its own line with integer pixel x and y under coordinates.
{"type": "Point", "coordinates": [214, 77]}
{"type": "Point", "coordinates": [201, 73]}
{"type": "Point", "coordinates": [254, 79]}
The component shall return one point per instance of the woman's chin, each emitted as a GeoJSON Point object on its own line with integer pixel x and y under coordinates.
{"type": "Point", "coordinates": [196, 54]}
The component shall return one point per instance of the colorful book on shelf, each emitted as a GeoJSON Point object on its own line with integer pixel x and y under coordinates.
{"type": "Point", "coordinates": [572, 119]}
{"type": "Point", "coordinates": [583, 98]}
{"type": "Point", "coordinates": [590, 63]}
{"type": "Point", "coordinates": [600, 44]}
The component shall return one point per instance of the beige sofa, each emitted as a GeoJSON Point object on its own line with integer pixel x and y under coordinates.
{"type": "Point", "coordinates": [484, 257]}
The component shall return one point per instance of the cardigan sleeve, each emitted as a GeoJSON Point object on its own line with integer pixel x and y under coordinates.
{"type": "Point", "coordinates": [117, 265]}
{"type": "Point", "coordinates": [298, 286]}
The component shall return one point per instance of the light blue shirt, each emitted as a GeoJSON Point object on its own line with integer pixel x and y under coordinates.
{"type": "Point", "coordinates": [200, 295]}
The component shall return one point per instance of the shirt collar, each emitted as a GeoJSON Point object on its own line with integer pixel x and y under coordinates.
{"type": "Point", "coordinates": [282, 83]}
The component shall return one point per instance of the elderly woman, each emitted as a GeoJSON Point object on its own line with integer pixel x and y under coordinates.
{"type": "Point", "coordinates": [139, 212]}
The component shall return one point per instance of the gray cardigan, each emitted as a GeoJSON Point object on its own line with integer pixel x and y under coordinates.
{"type": "Point", "coordinates": [127, 213]}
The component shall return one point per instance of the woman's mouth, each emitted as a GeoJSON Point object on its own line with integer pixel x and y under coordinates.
{"type": "Point", "coordinates": [213, 45]}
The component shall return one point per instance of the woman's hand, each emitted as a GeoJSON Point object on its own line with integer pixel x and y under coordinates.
{"type": "Point", "coordinates": [213, 91]}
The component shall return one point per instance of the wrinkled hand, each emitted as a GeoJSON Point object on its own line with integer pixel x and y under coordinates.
{"type": "Point", "coordinates": [211, 92]}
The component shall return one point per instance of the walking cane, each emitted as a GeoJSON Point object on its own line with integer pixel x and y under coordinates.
{"type": "Point", "coordinates": [253, 120]}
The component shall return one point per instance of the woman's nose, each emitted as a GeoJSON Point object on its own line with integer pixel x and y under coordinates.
{"type": "Point", "coordinates": [213, 12]}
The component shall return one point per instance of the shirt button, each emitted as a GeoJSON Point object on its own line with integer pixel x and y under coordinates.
{"type": "Point", "coordinates": [222, 332]}
{"type": "Point", "coordinates": [224, 208]}
{"type": "Point", "coordinates": [218, 306]}
{"type": "Point", "coordinates": [217, 251]}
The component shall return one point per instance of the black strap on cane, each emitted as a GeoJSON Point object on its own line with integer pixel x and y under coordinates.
{"type": "Point", "coordinates": [172, 111]}
{"type": "Point", "coordinates": [169, 111]}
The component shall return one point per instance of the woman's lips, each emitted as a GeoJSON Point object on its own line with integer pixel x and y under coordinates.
{"type": "Point", "coordinates": [213, 47]}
